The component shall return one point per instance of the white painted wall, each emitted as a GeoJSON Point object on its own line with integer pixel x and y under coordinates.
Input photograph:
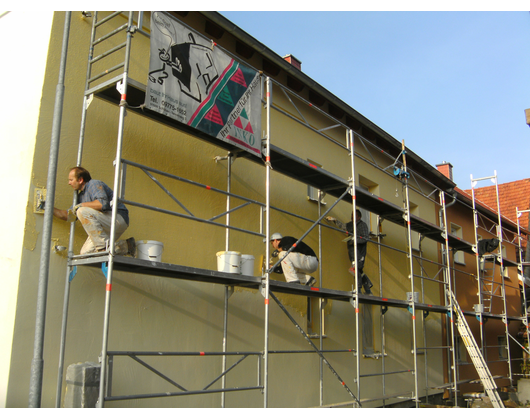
{"type": "Point", "coordinates": [24, 39]}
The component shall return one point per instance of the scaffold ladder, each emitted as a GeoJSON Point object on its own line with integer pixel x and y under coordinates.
{"type": "Point", "coordinates": [476, 356]}
{"type": "Point", "coordinates": [487, 283]}
{"type": "Point", "coordinates": [523, 263]}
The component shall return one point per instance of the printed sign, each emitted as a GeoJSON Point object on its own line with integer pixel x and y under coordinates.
{"type": "Point", "coordinates": [194, 82]}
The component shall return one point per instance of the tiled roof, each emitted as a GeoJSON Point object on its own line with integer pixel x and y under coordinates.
{"type": "Point", "coordinates": [512, 195]}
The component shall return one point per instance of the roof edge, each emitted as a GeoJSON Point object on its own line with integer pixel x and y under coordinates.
{"type": "Point", "coordinates": [441, 180]}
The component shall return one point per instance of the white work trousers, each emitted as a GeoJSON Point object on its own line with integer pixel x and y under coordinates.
{"type": "Point", "coordinates": [297, 267]}
{"type": "Point", "coordinates": [97, 226]}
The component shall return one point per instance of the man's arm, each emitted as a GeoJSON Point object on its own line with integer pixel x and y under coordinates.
{"type": "Point", "coordinates": [61, 214]}
{"type": "Point", "coordinates": [96, 205]}
{"type": "Point", "coordinates": [99, 195]}
{"type": "Point", "coordinates": [66, 215]}
{"type": "Point", "coordinates": [337, 222]}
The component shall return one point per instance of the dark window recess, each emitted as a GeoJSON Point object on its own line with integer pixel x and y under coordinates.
{"type": "Point", "coordinates": [244, 50]}
{"type": "Point", "coordinates": [213, 30]}
{"type": "Point", "coordinates": [316, 99]}
{"type": "Point", "coordinates": [269, 67]}
{"type": "Point", "coordinates": [294, 84]}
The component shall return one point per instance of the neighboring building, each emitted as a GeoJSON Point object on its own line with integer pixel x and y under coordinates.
{"type": "Point", "coordinates": [490, 332]}
{"type": "Point", "coordinates": [183, 304]}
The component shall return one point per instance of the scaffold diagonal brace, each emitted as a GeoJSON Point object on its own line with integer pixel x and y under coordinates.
{"type": "Point", "coordinates": [315, 348]}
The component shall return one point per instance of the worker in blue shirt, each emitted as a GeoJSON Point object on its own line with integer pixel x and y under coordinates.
{"type": "Point", "coordinates": [94, 211]}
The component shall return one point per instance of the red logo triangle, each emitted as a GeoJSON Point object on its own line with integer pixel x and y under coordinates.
{"type": "Point", "coordinates": [238, 123]}
{"type": "Point", "coordinates": [249, 128]}
{"type": "Point", "coordinates": [214, 116]}
{"type": "Point", "coordinates": [239, 78]}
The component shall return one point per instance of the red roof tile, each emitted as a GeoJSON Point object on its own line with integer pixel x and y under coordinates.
{"type": "Point", "coordinates": [512, 196]}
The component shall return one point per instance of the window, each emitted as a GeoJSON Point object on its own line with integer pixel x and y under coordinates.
{"type": "Point", "coordinates": [313, 317]}
{"type": "Point", "coordinates": [369, 218]}
{"type": "Point", "coordinates": [459, 255]}
{"type": "Point", "coordinates": [367, 330]}
{"type": "Point", "coordinates": [312, 192]}
{"type": "Point", "coordinates": [503, 351]}
{"type": "Point", "coordinates": [461, 351]}
{"type": "Point", "coordinates": [505, 273]}
{"type": "Point", "coordinates": [415, 236]}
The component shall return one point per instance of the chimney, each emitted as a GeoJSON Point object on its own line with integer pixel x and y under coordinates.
{"type": "Point", "coordinates": [446, 168]}
{"type": "Point", "coordinates": [295, 62]}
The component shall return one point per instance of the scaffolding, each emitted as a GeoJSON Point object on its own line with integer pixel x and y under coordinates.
{"type": "Point", "coordinates": [489, 288]}
{"type": "Point", "coordinates": [522, 264]}
{"type": "Point", "coordinates": [129, 95]}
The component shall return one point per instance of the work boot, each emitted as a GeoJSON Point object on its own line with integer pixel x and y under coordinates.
{"type": "Point", "coordinates": [311, 281]}
{"type": "Point", "coordinates": [367, 284]}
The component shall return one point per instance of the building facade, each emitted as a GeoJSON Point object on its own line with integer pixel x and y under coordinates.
{"type": "Point", "coordinates": [181, 316]}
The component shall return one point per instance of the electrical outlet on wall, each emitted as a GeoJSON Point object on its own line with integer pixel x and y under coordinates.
{"type": "Point", "coordinates": [39, 200]}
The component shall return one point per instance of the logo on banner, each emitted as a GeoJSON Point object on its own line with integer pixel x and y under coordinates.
{"type": "Point", "coordinates": [197, 84]}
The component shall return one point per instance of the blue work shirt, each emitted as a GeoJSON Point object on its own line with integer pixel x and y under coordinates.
{"type": "Point", "coordinates": [98, 190]}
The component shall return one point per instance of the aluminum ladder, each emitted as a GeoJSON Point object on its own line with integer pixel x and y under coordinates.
{"type": "Point", "coordinates": [476, 356]}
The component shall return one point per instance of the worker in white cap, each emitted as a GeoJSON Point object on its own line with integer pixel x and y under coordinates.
{"type": "Point", "coordinates": [297, 264]}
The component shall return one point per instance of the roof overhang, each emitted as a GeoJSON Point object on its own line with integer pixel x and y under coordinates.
{"type": "Point", "coordinates": [383, 140]}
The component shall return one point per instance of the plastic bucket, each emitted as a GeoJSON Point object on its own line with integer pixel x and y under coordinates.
{"type": "Point", "coordinates": [416, 297]}
{"type": "Point", "coordinates": [247, 265]}
{"type": "Point", "coordinates": [229, 262]}
{"type": "Point", "coordinates": [149, 250]}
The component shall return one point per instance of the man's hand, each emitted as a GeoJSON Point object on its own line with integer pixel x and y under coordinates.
{"type": "Point", "coordinates": [330, 219]}
{"type": "Point", "coordinates": [72, 215]}
{"type": "Point", "coordinates": [69, 215]}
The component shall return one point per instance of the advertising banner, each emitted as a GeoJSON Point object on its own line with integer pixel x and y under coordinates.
{"type": "Point", "coordinates": [196, 83]}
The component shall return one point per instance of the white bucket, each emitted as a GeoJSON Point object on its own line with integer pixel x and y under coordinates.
{"type": "Point", "coordinates": [228, 261]}
{"type": "Point", "coordinates": [416, 297]}
{"type": "Point", "coordinates": [247, 265]}
{"type": "Point", "coordinates": [149, 250]}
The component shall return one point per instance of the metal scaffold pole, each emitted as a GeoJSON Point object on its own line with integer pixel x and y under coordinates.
{"type": "Point", "coordinates": [503, 285]}
{"type": "Point", "coordinates": [320, 305]}
{"type": "Point", "coordinates": [412, 302]}
{"type": "Point", "coordinates": [356, 292]}
{"type": "Point", "coordinates": [228, 290]}
{"type": "Point", "coordinates": [487, 287]}
{"type": "Point", "coordinates": [486, 295]}
{"type": "Point", "coordinates": [522, 265]}
{"type": "Point", "coordinates": [447, 287]}
{"type": "Point", "coordinates": [37, 364]}
{"type": "Point", "coordinates": [71, 271]}
{"type": "Point", "coordinates": [122, 88]}
{"type": "Point", "coordinates": [265, 292]}
{"type": "Point", "coordinates": [480, 307]}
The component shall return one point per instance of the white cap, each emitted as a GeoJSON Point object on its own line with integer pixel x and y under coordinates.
{"type": "Point", "coordinates": [276, 236]}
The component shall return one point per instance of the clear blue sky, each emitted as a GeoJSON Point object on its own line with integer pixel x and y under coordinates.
{"type": "Point", "coordinates": [453, 85]}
